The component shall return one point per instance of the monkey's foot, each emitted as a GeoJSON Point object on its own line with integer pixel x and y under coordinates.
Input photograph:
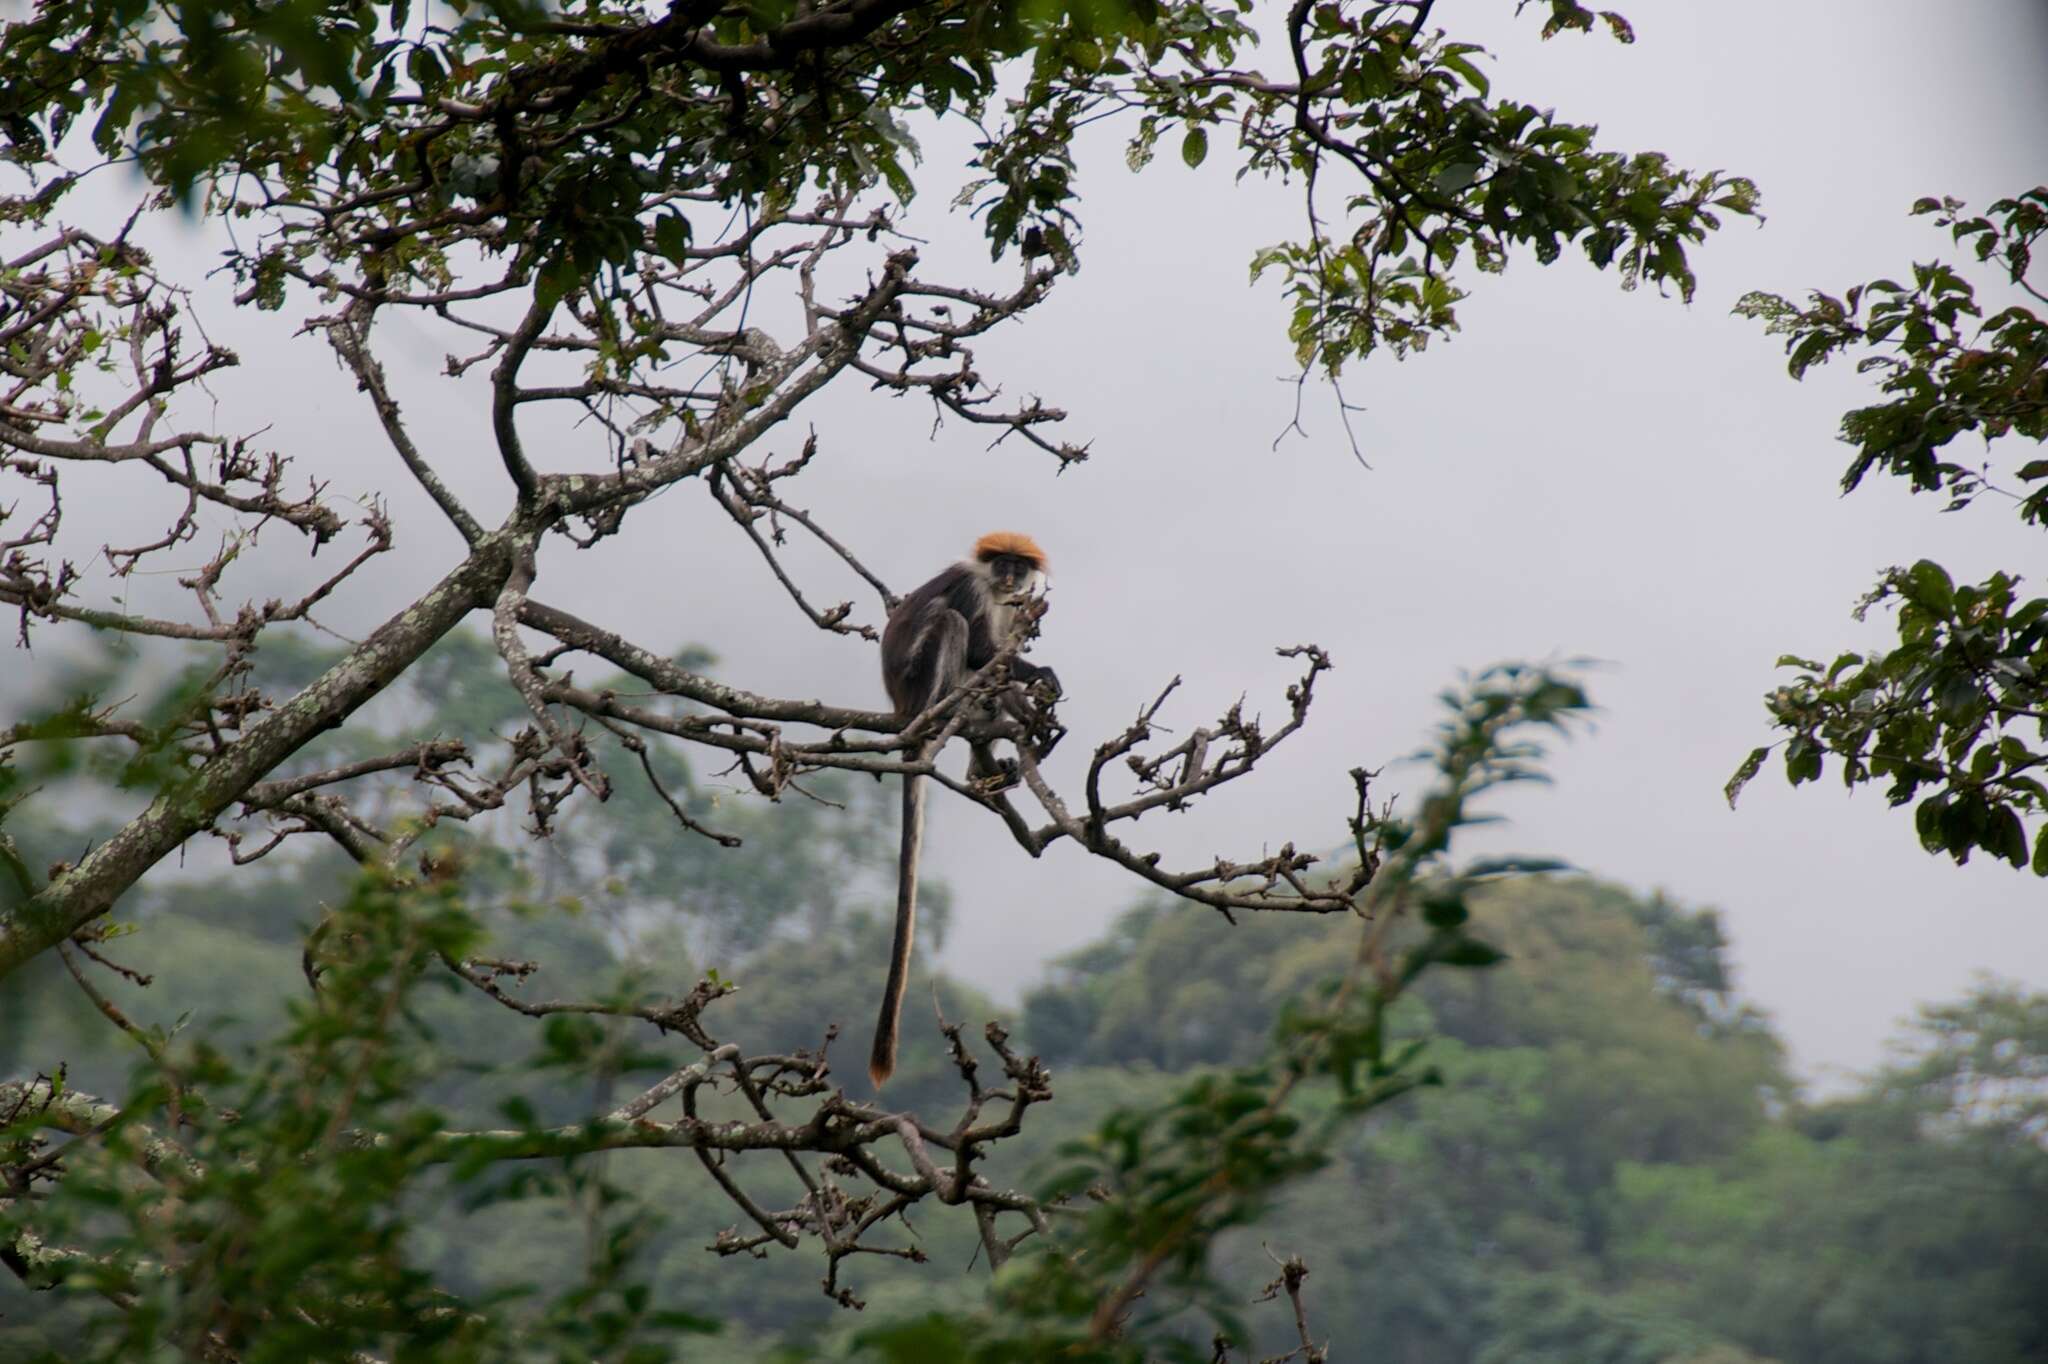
{"type": "Point", "coordinates": [1001, 779]}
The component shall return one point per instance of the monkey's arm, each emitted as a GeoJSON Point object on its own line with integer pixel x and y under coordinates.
{"type": "Point", "coordinates": [1032, 675]}
{"type": "Point", "coordinates": [982, 644]}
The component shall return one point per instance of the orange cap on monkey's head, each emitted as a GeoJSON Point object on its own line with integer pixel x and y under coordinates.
{"type": "Point", "coordinates": [998, 543]}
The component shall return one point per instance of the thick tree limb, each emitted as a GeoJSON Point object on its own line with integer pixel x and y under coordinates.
{"type": "Point", "coordinates": [91, 887]}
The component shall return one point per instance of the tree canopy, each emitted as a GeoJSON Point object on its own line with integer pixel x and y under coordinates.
{"type": "Point", "coordinates": [1952, 719]}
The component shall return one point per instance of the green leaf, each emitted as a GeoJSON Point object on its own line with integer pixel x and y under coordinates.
{"type": "Point", "coordinates": [1471, 952]}
{"type": "Point", "coordinates": [556, 277]}
{"type": "Point", "coordinates": [1457, 176]}
{"type": "Point", "coordinates": [2005, 836]}
{"type": "Point", "coordinates": [1802, 760]}
{"type": "Point", "coordinates": [1750, 767]}
{"type": "Point", "coordinates": [1446, 910]}
{"type": "Point", "coordinates": [1474, 77]}
{"type": "Point", "coordinates": [672, 235]}
{"type": "Point", "coordinates": [1927, 823]}
{"type": "Point", "coordinates": [1514, 866]}
{"type": "Point", "coordinates": [1928, 585]}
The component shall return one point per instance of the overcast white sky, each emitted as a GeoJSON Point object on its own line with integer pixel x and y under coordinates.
{"type": "Point", "coordinates": [1582, 472]}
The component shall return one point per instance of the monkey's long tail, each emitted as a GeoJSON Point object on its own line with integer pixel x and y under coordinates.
{"type": "Point", "coordinates": [882, 1060]}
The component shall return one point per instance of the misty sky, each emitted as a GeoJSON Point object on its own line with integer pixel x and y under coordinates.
{"type": "Point", "coordinates": [1582, 472]}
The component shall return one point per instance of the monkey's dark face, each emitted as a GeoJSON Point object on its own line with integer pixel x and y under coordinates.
{"type": "Point", "coordinates": [1012, 577]}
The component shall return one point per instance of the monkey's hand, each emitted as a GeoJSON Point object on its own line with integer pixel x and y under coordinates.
{"type": "Point", "coordinates": [1043, 687]}
{"type": "Point", "coordinates": [1042, 683]}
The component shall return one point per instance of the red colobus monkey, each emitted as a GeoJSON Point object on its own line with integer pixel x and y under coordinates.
{"type": "Point", "coordinates": [937, 636]}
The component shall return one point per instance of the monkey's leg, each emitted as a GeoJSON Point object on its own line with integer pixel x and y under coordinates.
{"type": "Point", "coordinates": [945, 652]}
{"type": "Point", "coordinates": [1029, 709]}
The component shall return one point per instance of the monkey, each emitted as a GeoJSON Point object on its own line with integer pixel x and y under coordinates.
{"type": "Point", "coordinates": [938, 635]}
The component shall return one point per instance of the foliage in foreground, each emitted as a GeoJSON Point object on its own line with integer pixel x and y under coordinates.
{"type": "Point", "coordinates": [1953, 720]}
